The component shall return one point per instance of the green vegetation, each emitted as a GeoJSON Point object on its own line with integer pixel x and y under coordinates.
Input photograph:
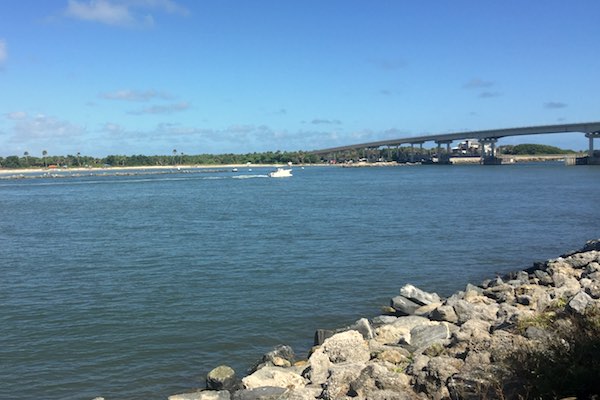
{"type": "Point", "coordinates": [568, 364]}
{"type": "Point", "coordinates": [533, 149]}
{"type": "Point", "coordinates": [140, 160]}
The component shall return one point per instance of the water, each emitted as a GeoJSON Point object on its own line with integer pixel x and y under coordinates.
{"type": "Point", "coordinates": [134, 287]}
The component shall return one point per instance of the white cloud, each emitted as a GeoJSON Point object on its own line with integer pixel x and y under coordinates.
{"type": "Point", "coordinates": [100, 11]}
{"type": "Point", "coordinates": [166, 109]}
{"type": "Point", "coordinates": [3, 51]}
{"type": "Point", "coordinates": [134, 95]}
{"type": "Point", "coordinates": [122, 12]}
{"type": "Point", "coordinates": [42, 127]}
{"type": "Point", "coordinates": [15, 115]}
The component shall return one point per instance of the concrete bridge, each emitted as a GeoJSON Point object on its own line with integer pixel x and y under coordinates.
{"type": "Point", "coordinates": [590, 129]}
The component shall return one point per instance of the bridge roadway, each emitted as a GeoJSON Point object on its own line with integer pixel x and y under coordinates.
{"type": "Point", "coordinates": [590, 129]}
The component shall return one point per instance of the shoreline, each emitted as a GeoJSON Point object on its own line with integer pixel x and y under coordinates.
{"type": "Point", "coordinates": [423, 346]}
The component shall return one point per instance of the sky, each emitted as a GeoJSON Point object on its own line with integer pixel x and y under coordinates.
{"type": "Point", "coordinates": [101, 77]}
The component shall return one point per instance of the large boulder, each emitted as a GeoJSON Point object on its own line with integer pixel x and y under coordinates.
{"type": "Point", "coordinates": [338, 383]}
{"type": "Point", "coordinates": [423, 336]}
{"type": "Point", "coordinates": [444, 313]}
{"type": "Point", "coordinates": [404, 306]}
{"type": "Point", "coordinates": [221, 378]}
{"type": "Point", "coordinates": [399, 330]}
{"type": "Point", "coordinates": [275, 377]}
{"type": "Point", "coordinates": [261, 393]}
{"type": "Point", "coordinates": [203, 395]}
{"type": "Point", "coordinates": [375, 381]}
{"type": "Point", "coordinates": [419, 296]}
{"type": "Point", "coordinates": [579, 303]}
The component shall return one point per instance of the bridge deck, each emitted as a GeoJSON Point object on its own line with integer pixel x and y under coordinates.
{"type": "Point", "coordinates": [587, 127]}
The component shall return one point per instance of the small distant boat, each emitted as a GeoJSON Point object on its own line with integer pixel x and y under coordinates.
{"type": "Point", "coordinates": [234, 170]}
{"type": "Point", "coordinates": [280, 173]}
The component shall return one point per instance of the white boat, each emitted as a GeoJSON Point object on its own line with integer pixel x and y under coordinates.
{"type": "Point", "coordinates": [234, 170]}
{"type": "Point", "coordinates": [280, 173]}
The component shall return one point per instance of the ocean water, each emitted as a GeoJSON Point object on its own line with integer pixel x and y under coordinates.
{"type": "Point", "coordinates": [134, 287]}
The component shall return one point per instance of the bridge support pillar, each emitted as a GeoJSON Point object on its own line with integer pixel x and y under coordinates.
{"type": "Point", "coordinates": [446, 158]}
{"type": "Point", "coordinates": [591, 136]}
{"type": "Point", "coordinates": [491, 159]}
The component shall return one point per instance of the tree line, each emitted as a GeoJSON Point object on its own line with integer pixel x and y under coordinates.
{"type": "Point", "coordinates": [139, 160]}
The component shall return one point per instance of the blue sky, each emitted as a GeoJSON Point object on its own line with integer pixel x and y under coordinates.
{"type": "Point", "coordinates": [148, 76]}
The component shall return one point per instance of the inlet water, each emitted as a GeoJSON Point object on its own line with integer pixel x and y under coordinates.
{"type": "Point", "coordinates": [134, 287]}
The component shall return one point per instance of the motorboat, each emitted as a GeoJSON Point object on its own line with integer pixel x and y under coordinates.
{"type": "Point", "coordinates": [280, 173]}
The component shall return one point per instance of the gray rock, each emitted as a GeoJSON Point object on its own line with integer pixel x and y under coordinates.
{"type": "Point", "coordinates": [423, 336]}
{"type": "Point", "coordinates": [580, 260]}
{"type": "Point", "coordinates": [419, 296]}
{"type": "Point", "coordinates": [444, 313]}
{"type": "Point", "coordinates": [203, 395]}
{"type": "Point", "coordinates": [404, 306]}
{"type": "Point", "coordinates": [363, 327]}
{"type": "Point", "coordinates": [432, 379]}
{"type": "Point", "coordinates": [470, 287]}
{"type": "Point", "coordinates": [261, 393]}
{"type": "Point", "coordinates": [543, 277]}
{"type": "Point", "coordinates": [321, 335]}
{"type": "Point", "coordinates": [274, 377]}
{"type": "Point", "coordinates": [338, 383]}
{"type": "Point", "coordinates": [384, 319]}
{"type": "Point", "coordinates": [523, 277]}
{"type": "Point", "coordinates": [591, 245]}
{"type": "Point", "coordinates": [376, 378]}
{"type": "Point", "coordinates": [501, 293]}
{"type": "Point", "coordinates": [593, 290]}
{"type": "Point", "coordinates": [346, 347]}
{"type": "Point", "coordinates": [221, 378]}
{"type": "Point", "coordinates": [533, 332]}
{"type": "Point", "coordinates": [282, 352]}
{"type": "Point", "coordinates": [579, 303]}
{"type": "Point", "coordinates": [467, 311]}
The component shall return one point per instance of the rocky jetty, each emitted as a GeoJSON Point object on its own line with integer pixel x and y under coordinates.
{"type": "Point", "coordinates": [427, 347]}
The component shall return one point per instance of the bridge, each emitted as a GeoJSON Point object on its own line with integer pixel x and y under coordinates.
{"type": "Point", "coordinates": [590, 129]}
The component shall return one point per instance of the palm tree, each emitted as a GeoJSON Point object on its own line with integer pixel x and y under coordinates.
{"type": "Point", "coordinates": [44, 154]}
{"type": "Point", "coordinates": [174, 156]}
{"type": "Point", "coordinates": [26, 154]}
{"type": "Point", "coordinates": [78, 159]}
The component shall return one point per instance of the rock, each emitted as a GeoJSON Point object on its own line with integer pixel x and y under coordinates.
{"type": "Point", "coordinates": [318, 370]}
{"type": "Point", "coordinates": [523, 277]}
{"type": "Point", "coordinates": [543, 277]}
{"type": "Point", "coordinates": [376, 378]}
{"type": "Point", "coordinates": [472, 288]}
{"type": "Point", "coordinates": [321, 335]}
{"type": "Point", "coordinates": [592, 267]}
{"type": "Point", "coordinates": [305, 393]}
{"type": "Point", "coordinates": [444, 313]}
{"type": "Point", "coordinates": [203, 395]}
{"type": "Point", "coordinates": [346, 347]}
{"type": "Point", "coordinates": [338, 383]}
{"type": "Point", "coordinates": [384, 319]}
{"type": "Point", "coordinates": [261, 393]}
{"type": "Point", "coordinates": [593, 290]}
{"type": "Point", "coordinates": [399, 330]}
{"type": "Point", "coordinates": [474, 331]}
{"type": "Point", "coordinates": [392, 334]}
{"type": "Point", "coordinates": [533, 332]}
{"type": "Point", "coordinates": [363, 327]}
{"type": "Point", "coordinates": [221, 378]}
{"type": "Point", "coordinates": [579, 303]}
{"type": "Point", "coordinates": [423, 336]}
{"type": "Point", "coordinates": [426, 310]}
{"type": "Point", "coordinates": [281, 352]}
{"type": "Point", "coordinates": [466, 311]}
{"type": "Point", "coordinates": [274, 377]}
{"type": "Point", "coordinates": [404, 306]}
{"type": "Point", "coordinates": [566, 287]}
{"type": "Point", "coordinates": [394, 356]}
{"type": "Point", "coordinates": [501, 293]}
{"type": "Point", "coordinates": [580, 260]}
{"type": "Point", "coordinates": [432, 379]}
{"type": "Point", "coordinates": [419, 296]}
{"type": "Point", "coordinates": [591, 245]}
